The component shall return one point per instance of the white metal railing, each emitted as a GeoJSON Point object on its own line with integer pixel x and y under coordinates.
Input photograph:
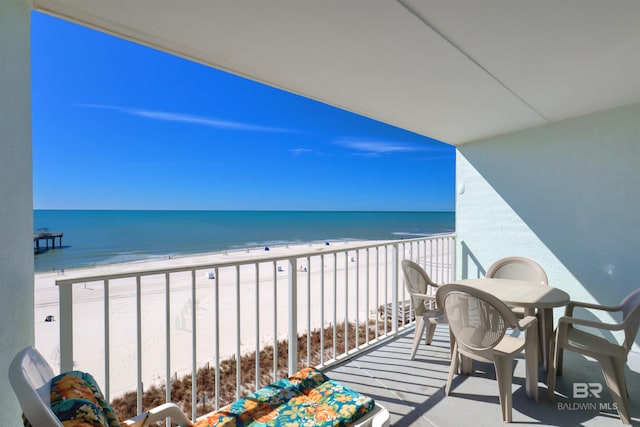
{"type": "Point", "coordinates": [196, 315]}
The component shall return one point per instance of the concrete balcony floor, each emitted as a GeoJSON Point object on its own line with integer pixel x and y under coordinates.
{"type": "Point", "coordinates": [413, 391]}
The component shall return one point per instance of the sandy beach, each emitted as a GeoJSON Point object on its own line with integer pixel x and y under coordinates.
{"type": "Point", "coordinates": [257, 307]}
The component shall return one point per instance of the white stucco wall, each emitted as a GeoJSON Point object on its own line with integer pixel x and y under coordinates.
{"type": "Point", "coordinates": [16, 205]}
{"type": "Point", "coordinates": [566, 195]}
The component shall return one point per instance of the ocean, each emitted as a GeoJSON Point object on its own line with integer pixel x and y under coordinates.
{"type": "Point", "coordinates": [93, 237]}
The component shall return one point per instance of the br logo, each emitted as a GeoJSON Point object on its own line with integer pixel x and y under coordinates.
{"type": "Point", "coordinates": [584, 390]}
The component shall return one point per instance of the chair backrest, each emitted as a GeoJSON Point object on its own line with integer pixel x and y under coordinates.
{"type": "Point", "coordinates": [519, 268]}
{"type": "Point", "coordinates": [630, 307]}
{"type": "Point", "coordinates": [30, 377]}
{"type": "Point", "coordinates": [417, 281]}
{"type": "Point", "coordinates": [478, 320]}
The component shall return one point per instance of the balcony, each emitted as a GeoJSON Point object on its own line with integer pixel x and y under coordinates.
{"type": "Point", "coordinates": [413, 391]}
{"type": "Point", "coordinates": [147, 324]}
{"type": "Point", "coordinates": [150, 324]}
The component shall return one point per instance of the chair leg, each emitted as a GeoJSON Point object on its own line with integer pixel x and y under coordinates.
{"type": "Point", "coordinates": [452, 342]}
{"type": "Point", "coordinates": [531, 351]}
{"type": "Point", "coordinates": [431, 330]}
{"type": "Point", "coordinates": [504, 375]}
{"type": "Point", "coordinates": [541, 337]}
{"type": "Point", "coordinates": [551, 374]}
{"type": "Point", "coordinates": [420, 324]}
{"type": "Point", "coordinates": [613, 371]}
{"type": "Point", "coordinates": [559, 357]}
{"type": "Point", "coordinates": [466, 365]}
{"type": "Point", "coordinates": [453, 368]}
{"type": "Point", "coordinates": [546, 333]}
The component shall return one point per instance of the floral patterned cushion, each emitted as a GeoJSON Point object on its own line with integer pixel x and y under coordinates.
{"type": "Point", "coordinates": [307, 398]}
{"type": "Point", "coordinates": [77, 401]}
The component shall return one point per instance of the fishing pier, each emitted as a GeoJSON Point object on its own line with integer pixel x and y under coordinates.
{"type": "Point", "coordinates": [46, 236]}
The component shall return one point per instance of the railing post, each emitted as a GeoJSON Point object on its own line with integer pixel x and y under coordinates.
{"type": "Point", "coordinates": [453, 258]}
{"type": "Point", "coordinates": [257, 367]}
{"type": "Point", "coordinates": [275, 323]}
{"type": "Point", "coordinates": [107, 357]}
{"type": "Point", "coordinates": [217, 331]}
{"type": "Point", "coordinates": [293, 316]}
{"type": "Point", "coordinates": [321, 307]}
{"type": "Point", "coordinates": [194, 346]}
{"type": "Point", "coordinates": [394, 288]}
{"type": "Point", "coordinates": [66, 327]}
{"type": "Point", "coordinates": [238, 355]}
{"type": "Point", "coordinates": [139, 343]}
{"type": "Point", "coordinates": [167, 333]}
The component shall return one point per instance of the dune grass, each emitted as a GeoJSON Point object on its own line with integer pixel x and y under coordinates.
{"type": "Point", "coordinates": [125, 406]}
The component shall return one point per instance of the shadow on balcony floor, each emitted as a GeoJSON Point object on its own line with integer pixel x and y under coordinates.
{"type": "Point", "coordinates": [413, 391]}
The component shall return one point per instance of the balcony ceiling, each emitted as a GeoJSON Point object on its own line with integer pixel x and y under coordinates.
{"type": "Point", "coordinates": [454, 70]}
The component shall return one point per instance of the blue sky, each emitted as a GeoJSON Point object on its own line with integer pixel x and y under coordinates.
{"type": "Point", "coordinates": [120, 126]}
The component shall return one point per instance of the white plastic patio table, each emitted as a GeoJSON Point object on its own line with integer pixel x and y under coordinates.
{"type": "Point", "coordinates": [531, 296]}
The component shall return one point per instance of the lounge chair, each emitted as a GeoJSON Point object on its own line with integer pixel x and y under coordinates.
{"type": "Point", "coordinates": [46, 399]}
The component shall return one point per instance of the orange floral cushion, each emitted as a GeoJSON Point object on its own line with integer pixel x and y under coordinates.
{"type": "Point", "coordinates": [307, 398]}
{"type": "Point", "coordinates": [77, 401]}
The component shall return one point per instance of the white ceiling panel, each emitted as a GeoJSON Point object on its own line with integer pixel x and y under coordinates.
{"type": "Point", "coordinates": [564, 58]}
{"type": "Point", "coordinates": [454, 70]}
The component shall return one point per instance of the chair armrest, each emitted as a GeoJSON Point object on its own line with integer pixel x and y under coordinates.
{"type": "Point", "coordinates": [137, 421]}
{"type": "Point", "coordinates": [527, 322]}
{"type": "Point", "coordinates": [159, 413]}
{"type": "Point", "coordinates": [572, 304]}
{"type": "Point", "coordinates": [565, 321]}
{"type": "Point", "coordinates": [428, 300]}
{"type": "Point", "coordinates": [423, 296]}
{"type": "Point", "coordinates": [379, 417]}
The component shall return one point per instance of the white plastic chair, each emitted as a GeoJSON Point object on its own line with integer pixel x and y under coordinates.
{"type": "Point", "coordinates": [611, 357]}
{"type": "Point", "coordinates": [30, 376]}
{"type": "Point", "coordinates": [422, 291]}
{"type": "Point", "coordinates": [479, 321]}
{"type": "Point", "coordinates": [518, 268]}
